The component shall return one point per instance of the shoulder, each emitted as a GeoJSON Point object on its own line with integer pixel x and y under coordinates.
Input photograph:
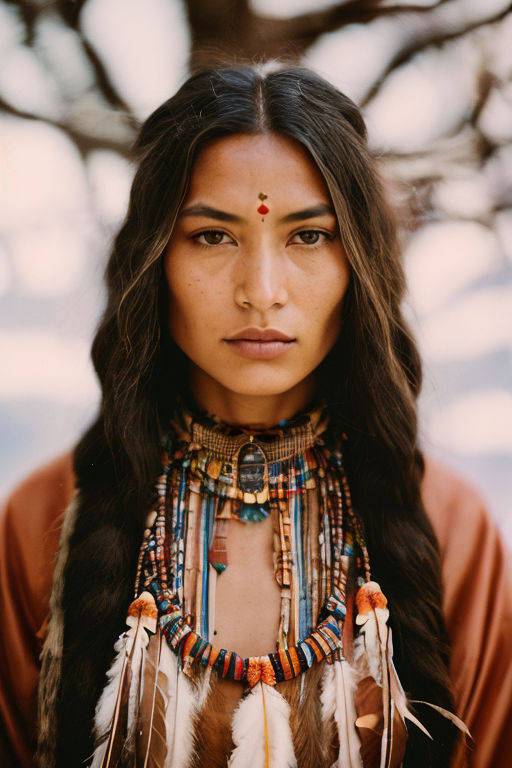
{"type": "Point", "coordinates": [52, 483]}
{"type": "Point", "coordinates": [474, 557]}
{"type": "Point", "coordinates": [455, 508]}
{"type": "Point", "coordinates": [30, 523]}
{"type": "Point", "coordinates": [477, 604]}
{"type": "Point", "coordinates": [36, 506]}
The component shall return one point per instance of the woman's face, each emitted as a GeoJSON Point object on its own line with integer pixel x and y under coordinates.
{"type": "Point", "coordinates": [256, 272]}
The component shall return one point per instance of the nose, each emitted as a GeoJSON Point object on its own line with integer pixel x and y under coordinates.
{"type": "Point", "coordinates": [260, 279]}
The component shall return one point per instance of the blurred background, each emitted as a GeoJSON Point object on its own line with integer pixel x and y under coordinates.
{"type": "Point", "coordinates": [434, 80]}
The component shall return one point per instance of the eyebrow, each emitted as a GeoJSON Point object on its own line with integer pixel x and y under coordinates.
{"type": "Point", "coordinates": [214, 213]}
{"type": "Point", "coordinates": [322, 209]}
{"type": "Point", "coordinates": [211, 213]}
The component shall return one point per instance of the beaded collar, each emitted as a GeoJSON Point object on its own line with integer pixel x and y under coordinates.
{"type": "Point", "coordinates": [212, 472]}
{"type": "Point", "coordinates": [237, 459]}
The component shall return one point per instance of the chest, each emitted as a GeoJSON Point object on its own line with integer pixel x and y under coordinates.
{"type": "Point", "coordinates": [247, 595]}
{"type": "Point", "coordinates": [247, 609]}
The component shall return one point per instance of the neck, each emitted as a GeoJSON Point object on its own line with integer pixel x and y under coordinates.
{"type": "Point", "coordinates": [249, 410]}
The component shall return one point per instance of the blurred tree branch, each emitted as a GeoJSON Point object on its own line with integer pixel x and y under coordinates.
{"type": "Point", "coordinates": [229, 27]}
{"type": "Point", "coordinates": [434, 35]}
{"type": "Point", "coordinates": [224, 31]}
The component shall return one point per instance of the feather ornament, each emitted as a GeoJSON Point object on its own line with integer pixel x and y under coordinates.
{"type": "Point", "coordinates": [372, 619]}
{"type": "Point", "coordinates": [212, 733]}
{"type": "Point", "coordinates": [337, 700]}
{"type": "Point", "coordinates": [185, 698]}
{"type": "Point", "coordinates": [145, 714]}
{"type": "Point", "coordinates": [117, 709]}
{"type": "Point", "coordinates": [457, 722]}
{"type": "Point", "coordinates": [313, 742]}
{"type": "Point", "coordinates": [398, 693]}
{"type": "Point", "coordinates": [373, 656]}
{"type": "Point", "coordinates": [261, 730]}
{"type": "Point", "coordinates": [151, 737]}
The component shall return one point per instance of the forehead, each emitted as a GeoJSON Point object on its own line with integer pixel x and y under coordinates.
{"type": "Point", "coordinates": [250, 164]}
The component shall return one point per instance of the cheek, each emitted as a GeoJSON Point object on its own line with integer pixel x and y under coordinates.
{"type": "Point", "coordinates": [181, 290]}
{"type": "Point", "coordinates": [326, 300]}
{"type": "Point", "coordinates": [191, 305]}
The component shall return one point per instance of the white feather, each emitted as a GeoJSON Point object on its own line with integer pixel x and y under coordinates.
{"type": "Point", "coordinates": [345, 716]}
{"type": "Point", "coordinates": [400, 698]}
{"type": "Point", "coordinates": [373, 626]}
{"type": "Point", "coordinates": [99, 754]}
{"type": "Point", "coordinates": [184, 699]}
{"type": "Point", "coordinates": [137, 638]}
{"type": "Point", "coordinates": [375, 631]}
{"type": "Point", "coordinates": [460, 724]}
{"type": "Point", "coordinates": [328, 693]}
{"type": "Point", "coordinates": [184, 722]}
{"type": "Point", "coordinates": [107, 701]}
{"type": "Point", "coordinates": [137, 664]}
{"type": "Point", "coordinates": [360, 662]}
{"type": "Point", "coordinates": [263, 714]}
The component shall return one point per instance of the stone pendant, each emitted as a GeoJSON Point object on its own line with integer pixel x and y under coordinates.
{"type": "Point", "coordinates": [252, 465]}
{"type": "Point", "coordinates": [251, 468]}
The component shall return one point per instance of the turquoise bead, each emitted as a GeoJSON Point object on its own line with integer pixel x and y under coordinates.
{"type": "Point", "coordinates": [254, 513]}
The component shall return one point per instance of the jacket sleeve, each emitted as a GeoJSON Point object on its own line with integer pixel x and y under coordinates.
{"type": "Point", "coordinates": [478, 613]}
{"type": "Point", "coordinates": [30, 524]}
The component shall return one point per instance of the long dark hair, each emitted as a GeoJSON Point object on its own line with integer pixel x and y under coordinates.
{"type": "Point", "coordinates": [370, 380]}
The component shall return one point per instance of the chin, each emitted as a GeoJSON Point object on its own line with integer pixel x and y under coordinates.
{"type": "Point", "coordinates": [258, 384]}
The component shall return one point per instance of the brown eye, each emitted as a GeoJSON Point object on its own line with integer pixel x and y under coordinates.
{"type": "Point", "coordinates": [309, 236]}
{"type": "Point", "coordinates": [312, 237]}
{"type": "Point", "coordinates": [211, 236]}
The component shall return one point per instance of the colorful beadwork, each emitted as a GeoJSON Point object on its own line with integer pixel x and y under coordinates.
{"type": "Point", "coordinates": [196, 494]}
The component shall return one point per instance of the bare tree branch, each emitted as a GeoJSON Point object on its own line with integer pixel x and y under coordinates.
{"type": "Point", "coordinates": [83, 140]}
{"type": "Point", "coordinates": [228, 30]}
{"type": "Point", "coordinates": [429, 38]}
{"type": "Point", "coordinates": [305, 29]}
{"type": "Point", "coordinates": [69, 11]}
{"type": "Point", "coordinates": [29, 14]}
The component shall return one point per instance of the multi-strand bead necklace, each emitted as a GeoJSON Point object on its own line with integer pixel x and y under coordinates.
{"type": "Point", "coordinates": [213, 473]}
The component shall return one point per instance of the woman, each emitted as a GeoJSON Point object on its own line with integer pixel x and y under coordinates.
{"type": "Point", "coordinates": [253, 333]}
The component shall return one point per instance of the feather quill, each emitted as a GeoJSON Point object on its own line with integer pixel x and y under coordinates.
{"type": "Point", "coordinates": [185, 698]}
{"type": "Point", "coordinates": [117, 709]}
{"type": "Point", "coordinates": [460, 724]}
{"type": "Point", "coordinates": [377, 659]}
{"type": "Point", "coordinates": [372, 619]}
{"type": "Point", "coordinates": [261, 731]}
{"type": "Point", "coordinates": [151, 738]}
{"type": "Point", "coordinates": [337, 700]}
{"type": "Point", "coordinates": [399, 695]}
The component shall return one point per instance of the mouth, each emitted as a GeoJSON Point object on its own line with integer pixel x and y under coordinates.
{"type": "Point", "coordinates": [260, 344]}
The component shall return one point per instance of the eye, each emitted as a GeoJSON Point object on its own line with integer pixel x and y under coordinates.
{"type": "Point", "coordinates": [211, 237]}
{"type": "Point", "coordinates": [311, 237]}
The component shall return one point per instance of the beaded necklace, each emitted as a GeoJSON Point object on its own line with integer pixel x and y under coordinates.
{"type": "Point", "coordinates": [213, 473]}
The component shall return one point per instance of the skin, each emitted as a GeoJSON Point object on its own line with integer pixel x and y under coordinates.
{"type": "Point", "coordinates": [255, 271]}
{"type": "Point", "coordinates": [260, 271]}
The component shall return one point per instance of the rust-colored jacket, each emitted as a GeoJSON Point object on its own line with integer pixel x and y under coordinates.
{"type": "Point", "coordinates": [477, 607]}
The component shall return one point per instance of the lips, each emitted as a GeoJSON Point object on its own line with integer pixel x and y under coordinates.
{"type": "Point", "coordinates": [260, 343]}
{"type": "Point", "coordinates": [261, 334]}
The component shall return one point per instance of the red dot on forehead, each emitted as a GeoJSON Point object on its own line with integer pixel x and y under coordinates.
{"type": "Point", "coordinates": [263, 209]}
